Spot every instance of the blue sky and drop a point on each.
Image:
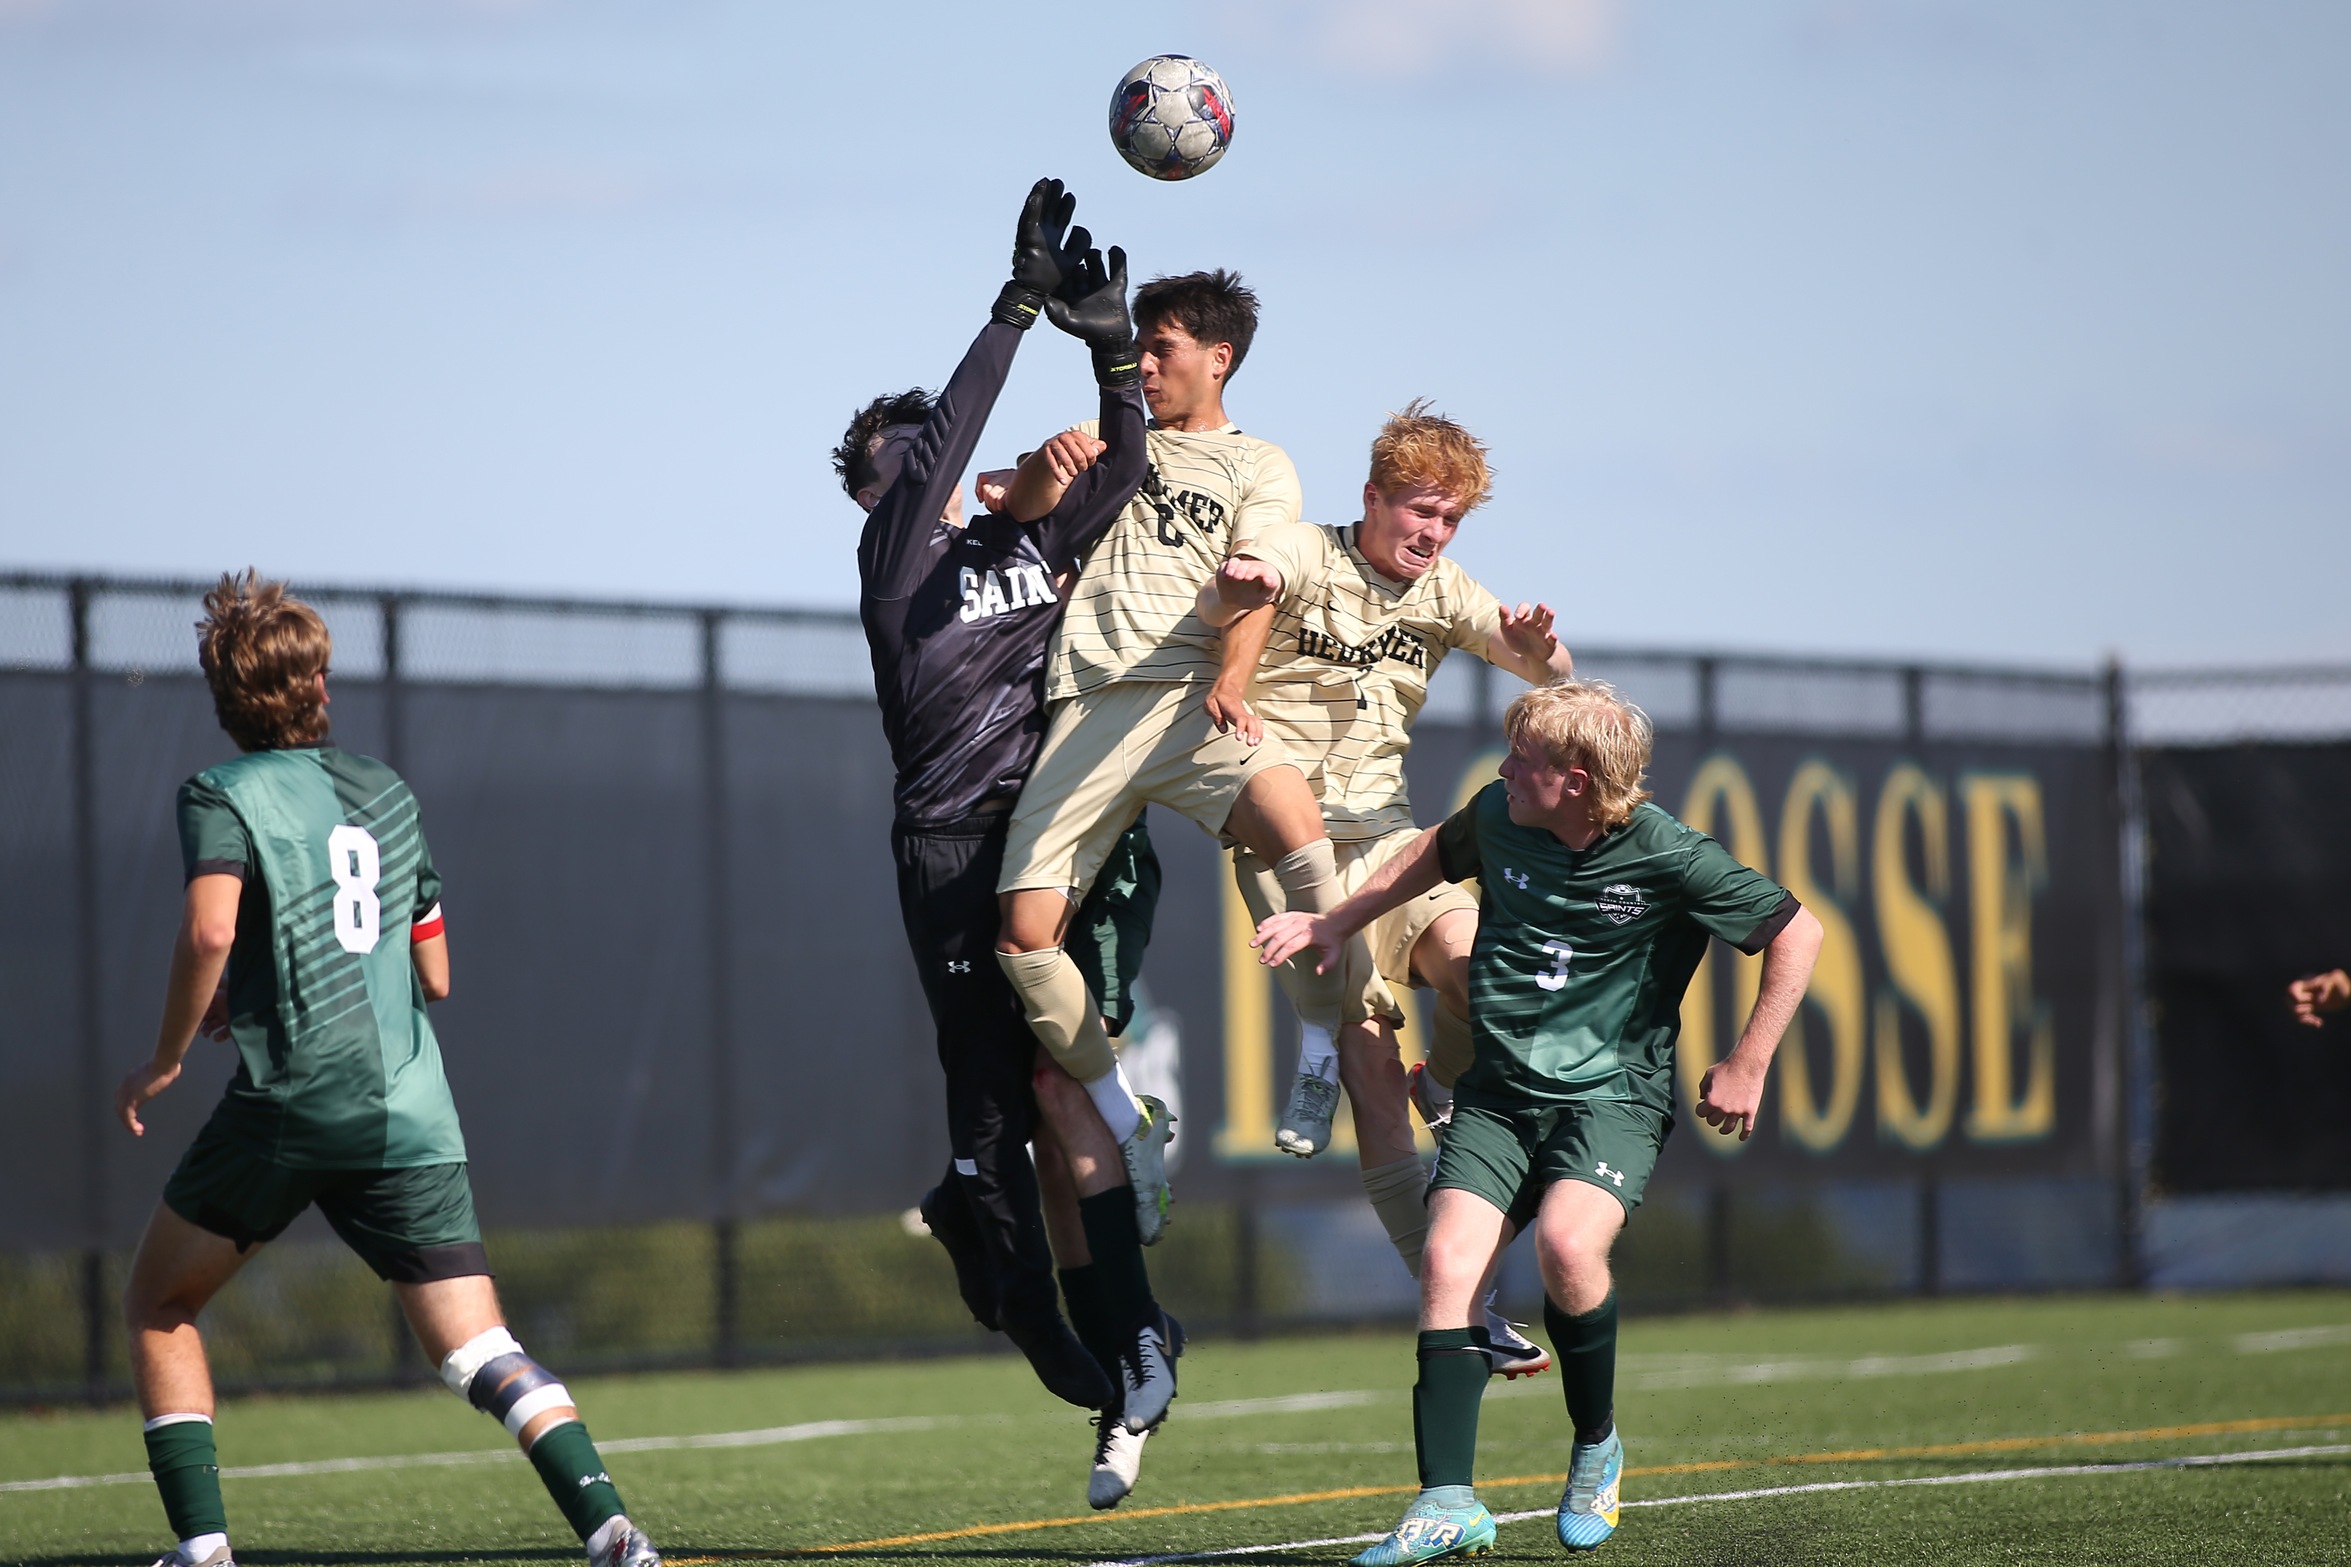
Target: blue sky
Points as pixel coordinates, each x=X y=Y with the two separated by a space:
x=1998 y=331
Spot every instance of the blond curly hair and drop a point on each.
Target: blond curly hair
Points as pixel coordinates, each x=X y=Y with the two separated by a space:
x=1586 y=724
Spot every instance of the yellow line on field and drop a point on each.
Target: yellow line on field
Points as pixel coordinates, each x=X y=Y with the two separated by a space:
x=2005 y=1444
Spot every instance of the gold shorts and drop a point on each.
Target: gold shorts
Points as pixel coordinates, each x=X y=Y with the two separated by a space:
x=1379 y=959
x=1109 y=752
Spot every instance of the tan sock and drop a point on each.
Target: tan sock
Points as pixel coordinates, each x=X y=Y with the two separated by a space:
x=1309 y=880
x=1399 y=1195
x=1061 y=1010
x=1450 y=1049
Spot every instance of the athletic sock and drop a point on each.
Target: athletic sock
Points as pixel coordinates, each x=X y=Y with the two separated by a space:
x=1399 y=1194
x=186 y=1466
x=1318 y=1052
x=1061 y=1011
x=1587 y=1365
x=573 y=1474
x=1450 y=1048
x=1091 y=1318
x=1124 y=1284
x=1115 y=1101
x=1309 y=880
x=1445 y=1399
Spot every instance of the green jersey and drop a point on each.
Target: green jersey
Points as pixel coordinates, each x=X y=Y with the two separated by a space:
x=1576 y=981
x=338 y=1068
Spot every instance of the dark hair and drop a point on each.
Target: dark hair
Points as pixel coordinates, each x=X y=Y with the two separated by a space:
x=262 y=651
x=853 y=458
x=1214 y=307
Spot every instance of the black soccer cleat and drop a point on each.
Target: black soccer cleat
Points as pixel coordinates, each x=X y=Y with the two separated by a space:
x=948 y=1217
x=1066 y=1367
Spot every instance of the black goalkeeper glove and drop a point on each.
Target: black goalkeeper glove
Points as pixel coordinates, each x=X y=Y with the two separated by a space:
x=1040 y=262
x=1092 y=306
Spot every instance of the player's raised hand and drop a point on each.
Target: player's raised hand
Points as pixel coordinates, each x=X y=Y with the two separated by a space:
x=142 y=1083
x=991 y=485
x=1092 y=306
x=1071 y=453
x=1527 y=632
x=1245 y=583
x=1729 y=1098
x=2314 y=994
x=1040 y=258
x=1287 y=934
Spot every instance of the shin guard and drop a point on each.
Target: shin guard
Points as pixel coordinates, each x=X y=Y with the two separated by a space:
x=491 y=1372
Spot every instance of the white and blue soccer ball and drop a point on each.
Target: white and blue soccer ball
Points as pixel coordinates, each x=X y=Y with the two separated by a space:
x=1171 y=117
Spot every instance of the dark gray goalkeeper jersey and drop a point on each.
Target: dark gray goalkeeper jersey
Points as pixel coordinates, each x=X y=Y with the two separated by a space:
x=338 y=1068
x=958 y=620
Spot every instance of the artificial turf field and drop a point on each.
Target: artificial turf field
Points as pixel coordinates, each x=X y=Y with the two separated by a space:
x=1283 y=1443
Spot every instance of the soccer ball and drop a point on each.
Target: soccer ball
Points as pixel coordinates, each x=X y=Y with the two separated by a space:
x=1171 y=117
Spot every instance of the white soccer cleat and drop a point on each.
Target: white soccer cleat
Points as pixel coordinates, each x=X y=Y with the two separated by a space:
x=218 y=1556
x=1144 y=1153
x=1511 y=1353
x=627 y=1547
x=1305 y=1128
x=1435 y=1104
x=1147 y=1377
x=1118 y=1459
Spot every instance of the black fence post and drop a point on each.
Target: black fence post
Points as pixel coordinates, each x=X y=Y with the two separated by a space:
x=2134 y=1040
x=1718 y=1191
x=407 y=1362
x=1930 y=1193
x=95 y=1119
x=726 y=1271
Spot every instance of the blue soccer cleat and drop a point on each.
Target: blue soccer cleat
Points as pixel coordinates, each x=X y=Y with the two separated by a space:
x=1431 y=1529
x=1587 y=1508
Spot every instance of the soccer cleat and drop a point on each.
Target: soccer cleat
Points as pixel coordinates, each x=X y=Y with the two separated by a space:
x=1430 y=1530
x=628 y=1547
x=217 y=1557
x=1587 y=1508
x=1434 y=1103
x=1145 y=1155
x=1066 y=1367
x=1118 y=1459
x=948 y=1217
x=1306 y=1125
x=1511 y=1352
x=1147 y=1374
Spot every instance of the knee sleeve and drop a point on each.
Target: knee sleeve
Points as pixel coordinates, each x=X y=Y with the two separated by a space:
x=1054 y=998
x=1309 y=879
x=1399 y=1195
x=1450 y=1050
x=491 y=1372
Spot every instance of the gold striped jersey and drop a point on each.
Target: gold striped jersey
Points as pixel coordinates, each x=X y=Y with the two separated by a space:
x=1130 y=613
x=1347 y=666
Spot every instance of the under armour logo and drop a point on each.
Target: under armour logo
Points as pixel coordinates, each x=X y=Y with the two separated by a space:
x=1517 y=879
x=959 y=965
x=1601 y=1169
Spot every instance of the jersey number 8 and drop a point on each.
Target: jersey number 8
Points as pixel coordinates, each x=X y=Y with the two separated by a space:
x=356 y=864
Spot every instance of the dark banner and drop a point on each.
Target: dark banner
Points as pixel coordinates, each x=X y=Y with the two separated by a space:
x=2249 y=886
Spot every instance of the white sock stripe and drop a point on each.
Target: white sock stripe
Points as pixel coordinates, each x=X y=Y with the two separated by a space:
x=160 y=1421
x=535 y=1403
x=457 y=1371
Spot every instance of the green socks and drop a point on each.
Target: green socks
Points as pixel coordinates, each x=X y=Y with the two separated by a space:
x=1122 y=1282
x=573 y=1474
x=186 y=1467
x=1587 y=1365
x=1453 y=1373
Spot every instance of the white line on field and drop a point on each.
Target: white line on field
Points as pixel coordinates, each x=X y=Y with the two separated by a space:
x=1974 y=1477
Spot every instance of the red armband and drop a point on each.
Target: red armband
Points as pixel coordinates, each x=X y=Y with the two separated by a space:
x=427 y=926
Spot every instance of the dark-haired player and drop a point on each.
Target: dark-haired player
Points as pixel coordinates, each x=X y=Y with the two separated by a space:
x=958 y=618
x=1594 y=909
x=1130 y=717
x=310 y=886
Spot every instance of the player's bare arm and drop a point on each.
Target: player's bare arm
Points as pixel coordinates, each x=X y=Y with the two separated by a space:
x=1045 y=475
x=1526 y=645
x=431 y=957
x=2315 y=994
x=1402 y=879
x=199 y=957
x=1243 y=650
x=1731 y=1092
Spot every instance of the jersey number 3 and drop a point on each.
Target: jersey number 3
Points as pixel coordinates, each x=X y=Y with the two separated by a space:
x=1561 y=953
x=357 y=865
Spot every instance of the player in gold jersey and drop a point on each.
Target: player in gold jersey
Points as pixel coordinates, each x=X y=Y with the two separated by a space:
x=1353 y=621
x=1129 y=720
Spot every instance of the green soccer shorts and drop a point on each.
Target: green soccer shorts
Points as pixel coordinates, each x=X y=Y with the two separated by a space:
x=412 y=1226
x=1112 y=927
x=1512 y=1157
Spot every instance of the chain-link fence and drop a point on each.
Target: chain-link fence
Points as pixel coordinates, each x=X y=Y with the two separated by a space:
x=697 y=1071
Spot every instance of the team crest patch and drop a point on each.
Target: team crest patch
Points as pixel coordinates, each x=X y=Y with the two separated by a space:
x=1621 y=903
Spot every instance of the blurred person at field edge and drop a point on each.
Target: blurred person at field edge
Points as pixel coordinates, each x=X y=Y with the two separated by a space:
x=2314 y=994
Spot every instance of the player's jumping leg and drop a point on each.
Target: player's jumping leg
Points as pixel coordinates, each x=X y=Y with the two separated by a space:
x=458 y=1323
x=178 y=1269
x=1446 y=1518
x=1278 y=820
x=1577 y=1226
x=1114 y=1306
x=1118 y=1452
